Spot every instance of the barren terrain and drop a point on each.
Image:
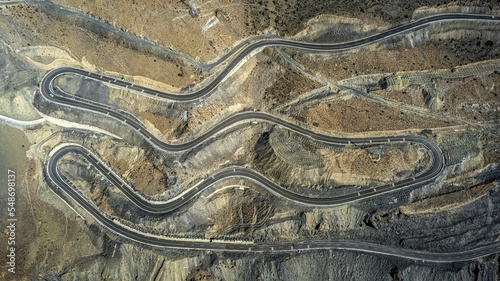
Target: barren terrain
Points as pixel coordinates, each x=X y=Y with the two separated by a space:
x=440 y=82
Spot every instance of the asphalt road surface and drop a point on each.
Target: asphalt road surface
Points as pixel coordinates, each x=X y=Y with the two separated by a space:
x=60 y=184
x=244 y=51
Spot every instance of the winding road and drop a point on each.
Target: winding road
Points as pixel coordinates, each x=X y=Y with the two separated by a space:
x=243 y=51
x=60 y=183
x=50 y=93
